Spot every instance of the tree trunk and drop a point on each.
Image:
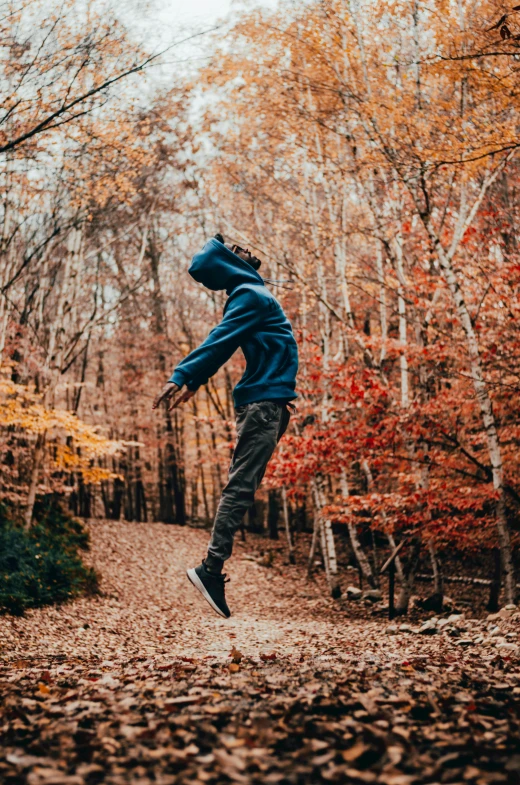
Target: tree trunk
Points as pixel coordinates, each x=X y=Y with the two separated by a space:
x=328 y=549
x=175 y=491
x=273 y=513
x=403 y=339
x=105 y=498
x=39 y=450
x=255 y=517
x=128 y=495
x=398 y=563
x=383 y=319
x=438 y=583
x=406 y=588
x=53 y=360
x=362 y=561
x=292 y=560
x=435 y=601
x=486 y=411
x=216 y=485
x=200 y=463
x=117 y=500
x=84 y=499
x=314 y=542
x=180 y=496
x=494 y=589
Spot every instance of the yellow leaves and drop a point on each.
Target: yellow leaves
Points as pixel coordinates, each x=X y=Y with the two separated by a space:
x=21 y=408
x=67 y=459
x=93 y=475
x=388 y=101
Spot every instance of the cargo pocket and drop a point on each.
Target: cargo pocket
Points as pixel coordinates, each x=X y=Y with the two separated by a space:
x=268 y=412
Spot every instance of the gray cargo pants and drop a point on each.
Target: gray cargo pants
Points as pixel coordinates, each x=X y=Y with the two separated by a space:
x=260 y=426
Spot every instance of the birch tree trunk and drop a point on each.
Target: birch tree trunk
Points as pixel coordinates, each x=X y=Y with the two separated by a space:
x=406 y=587
x=382 y=303
x=486 y=411
x=403 y=338
x=314 y=541
x=326 y=535
x=438 y=583
x=7 y=259
x=361 y=558
x=199 y=458
x=39 y=449
x=53 y=363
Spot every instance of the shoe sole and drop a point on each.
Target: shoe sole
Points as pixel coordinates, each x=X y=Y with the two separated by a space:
x=196 y=581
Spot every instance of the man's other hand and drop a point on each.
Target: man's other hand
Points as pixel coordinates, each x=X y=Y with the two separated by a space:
x=169 y=395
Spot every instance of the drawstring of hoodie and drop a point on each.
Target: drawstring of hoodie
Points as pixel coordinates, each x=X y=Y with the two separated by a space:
x=281 y=284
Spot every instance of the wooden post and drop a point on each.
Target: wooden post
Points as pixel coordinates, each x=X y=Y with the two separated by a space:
x=391 y=558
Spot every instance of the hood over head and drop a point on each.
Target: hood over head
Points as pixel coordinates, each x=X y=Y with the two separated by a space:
x=216 y=267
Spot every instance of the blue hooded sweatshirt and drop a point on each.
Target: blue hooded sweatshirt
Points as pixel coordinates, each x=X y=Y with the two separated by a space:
x=253 y=320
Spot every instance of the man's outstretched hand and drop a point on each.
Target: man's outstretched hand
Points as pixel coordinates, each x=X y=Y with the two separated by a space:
x=169 y=395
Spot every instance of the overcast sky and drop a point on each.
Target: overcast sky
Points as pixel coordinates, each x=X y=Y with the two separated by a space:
x=191 y=12
x=158 y=23
x=165 y=19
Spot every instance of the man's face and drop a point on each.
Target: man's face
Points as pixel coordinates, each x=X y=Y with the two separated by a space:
x=244 y=254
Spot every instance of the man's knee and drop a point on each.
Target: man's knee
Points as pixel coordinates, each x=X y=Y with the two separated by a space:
x=237 y=494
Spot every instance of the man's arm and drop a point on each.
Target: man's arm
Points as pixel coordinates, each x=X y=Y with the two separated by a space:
x=243 y=314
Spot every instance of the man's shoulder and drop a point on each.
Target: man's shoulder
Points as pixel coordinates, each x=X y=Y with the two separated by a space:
x=251 y=291
x=254 y=287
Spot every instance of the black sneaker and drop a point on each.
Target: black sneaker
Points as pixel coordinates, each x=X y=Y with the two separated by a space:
x=211 y=586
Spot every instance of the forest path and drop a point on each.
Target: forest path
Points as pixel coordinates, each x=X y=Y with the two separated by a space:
x=148 y=606
x=144 y=684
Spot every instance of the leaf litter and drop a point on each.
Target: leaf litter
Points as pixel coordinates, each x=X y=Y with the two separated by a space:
x=143 y=685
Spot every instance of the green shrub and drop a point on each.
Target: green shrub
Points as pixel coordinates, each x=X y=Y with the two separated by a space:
x=42 y=566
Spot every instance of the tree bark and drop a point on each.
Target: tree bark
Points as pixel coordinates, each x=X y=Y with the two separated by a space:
x=362 y=560
x=314 y=542
x=39 y=450
x=287 y=527
x=494 y=589
x=486 y=411
x=406 y=588
x=326 y=535
x=273 y=513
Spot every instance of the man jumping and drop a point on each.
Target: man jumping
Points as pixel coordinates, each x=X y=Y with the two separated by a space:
x=254 y=321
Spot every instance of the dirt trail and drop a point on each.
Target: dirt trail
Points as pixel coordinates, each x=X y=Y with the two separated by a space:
x=149 y=607
x=145 y=684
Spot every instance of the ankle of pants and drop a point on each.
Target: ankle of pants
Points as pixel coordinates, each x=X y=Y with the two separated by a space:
x=213 y=564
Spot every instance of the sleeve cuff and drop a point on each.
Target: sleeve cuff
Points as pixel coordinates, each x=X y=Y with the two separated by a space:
x=177 y=378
